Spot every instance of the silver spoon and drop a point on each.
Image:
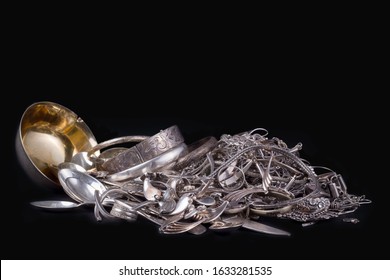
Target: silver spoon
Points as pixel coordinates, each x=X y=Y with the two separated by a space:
x=207 y=201
x=53 y=204
x=58 y=204
x=151 y=192
x=184 y=202
x=80 y=186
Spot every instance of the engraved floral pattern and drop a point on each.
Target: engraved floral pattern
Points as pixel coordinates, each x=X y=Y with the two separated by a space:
x=146 y=150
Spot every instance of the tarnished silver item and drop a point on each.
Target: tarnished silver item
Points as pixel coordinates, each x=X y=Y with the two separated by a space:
x=221 y=185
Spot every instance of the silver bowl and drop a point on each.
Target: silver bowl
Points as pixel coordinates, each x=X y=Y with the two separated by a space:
x=48 y=135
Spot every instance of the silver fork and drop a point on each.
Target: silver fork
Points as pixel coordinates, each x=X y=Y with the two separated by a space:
x=171 y=225
x=180 y=227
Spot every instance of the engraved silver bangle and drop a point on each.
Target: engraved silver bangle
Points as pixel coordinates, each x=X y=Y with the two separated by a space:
x=153 y=165
x=102 y=158
x=148 y=149
x=115 y=141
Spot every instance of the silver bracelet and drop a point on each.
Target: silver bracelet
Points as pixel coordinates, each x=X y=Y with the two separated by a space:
x=148 y=149
x=151 y=165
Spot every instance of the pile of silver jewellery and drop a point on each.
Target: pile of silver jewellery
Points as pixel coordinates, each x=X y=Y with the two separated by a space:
x=211 y=184
x=221 y=184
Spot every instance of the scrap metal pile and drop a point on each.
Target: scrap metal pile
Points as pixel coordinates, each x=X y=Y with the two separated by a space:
x=217 y=184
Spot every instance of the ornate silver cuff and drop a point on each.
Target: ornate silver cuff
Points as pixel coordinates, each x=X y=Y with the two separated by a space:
x=145 y=151
x=153 y=165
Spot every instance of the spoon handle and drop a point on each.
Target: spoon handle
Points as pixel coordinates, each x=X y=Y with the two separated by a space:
x=52 y=204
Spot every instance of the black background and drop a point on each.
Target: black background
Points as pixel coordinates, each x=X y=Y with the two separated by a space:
x=325 y=97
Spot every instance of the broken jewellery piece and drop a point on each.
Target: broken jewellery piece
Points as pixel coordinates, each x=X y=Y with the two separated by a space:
x=220 y=184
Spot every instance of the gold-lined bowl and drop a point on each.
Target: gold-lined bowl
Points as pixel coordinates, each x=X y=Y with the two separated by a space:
x=48 y=135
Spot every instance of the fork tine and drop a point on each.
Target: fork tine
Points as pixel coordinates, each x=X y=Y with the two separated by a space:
x=179 y=227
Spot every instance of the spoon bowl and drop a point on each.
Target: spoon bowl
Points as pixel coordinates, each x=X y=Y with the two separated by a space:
x=80 y=186
x=57 y=205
